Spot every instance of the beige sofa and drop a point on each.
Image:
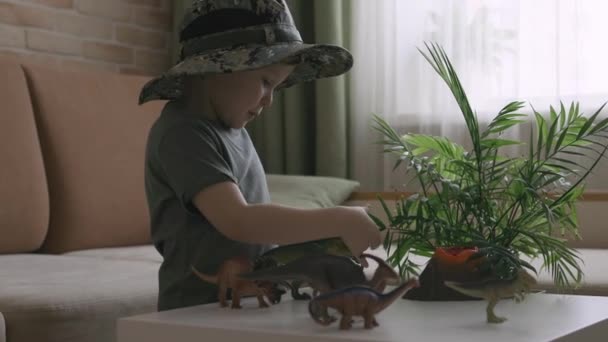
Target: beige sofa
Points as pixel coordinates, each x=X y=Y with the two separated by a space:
x=75 y=251
x=71 y=150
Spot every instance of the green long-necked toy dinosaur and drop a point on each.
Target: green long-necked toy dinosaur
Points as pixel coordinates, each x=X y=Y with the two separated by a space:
x=288 y=253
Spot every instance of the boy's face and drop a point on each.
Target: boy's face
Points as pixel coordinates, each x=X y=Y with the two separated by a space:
x=239 y=97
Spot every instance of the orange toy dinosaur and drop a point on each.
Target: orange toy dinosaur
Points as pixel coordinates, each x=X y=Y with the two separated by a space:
x=227 y=278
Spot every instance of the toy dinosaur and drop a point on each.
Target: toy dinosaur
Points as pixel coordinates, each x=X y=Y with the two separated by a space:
x=288 y=253
x=384 y=274
x=355 y=301
x=327 y=272
x=227 y=278
x=493 y=290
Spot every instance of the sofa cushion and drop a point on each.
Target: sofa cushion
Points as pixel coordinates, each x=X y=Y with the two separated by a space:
x=93 y=137
x=61 y=298
x=309 y=191
x=135 y=253
x=24 y=212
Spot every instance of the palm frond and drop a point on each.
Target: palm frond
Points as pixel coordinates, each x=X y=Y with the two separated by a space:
x=505 y=119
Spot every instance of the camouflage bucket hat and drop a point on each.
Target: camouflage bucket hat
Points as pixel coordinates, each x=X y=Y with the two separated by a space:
x=221 y=36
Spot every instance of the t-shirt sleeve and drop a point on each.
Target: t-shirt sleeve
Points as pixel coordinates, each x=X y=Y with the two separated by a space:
x=192 y=160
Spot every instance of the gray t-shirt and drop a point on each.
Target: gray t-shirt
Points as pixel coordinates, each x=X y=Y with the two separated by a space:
x=186 y=153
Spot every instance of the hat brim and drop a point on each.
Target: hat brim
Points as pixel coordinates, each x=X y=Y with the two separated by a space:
x=314 y=61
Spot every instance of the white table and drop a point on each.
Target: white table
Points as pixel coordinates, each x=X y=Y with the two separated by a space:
x=541 y=317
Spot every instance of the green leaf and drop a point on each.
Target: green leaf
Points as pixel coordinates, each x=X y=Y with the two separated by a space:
x=560 y=140
x=562 y=115
x=496 y=143
x=541 y=126
x=505 y=119
x=600 y=126
x=589 y=122
x=551 y=133
x=439 y=145
x=572 y=111
x=385 y=208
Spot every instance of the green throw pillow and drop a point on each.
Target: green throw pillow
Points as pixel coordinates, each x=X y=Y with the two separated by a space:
x=309 y=191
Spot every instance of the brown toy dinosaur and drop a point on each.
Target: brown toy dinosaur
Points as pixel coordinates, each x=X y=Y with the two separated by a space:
x=326 y=272
x=227 y=278
x=494 y=290
x=355 y=301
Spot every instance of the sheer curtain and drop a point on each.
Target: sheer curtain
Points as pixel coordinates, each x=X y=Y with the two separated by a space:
x=540 y=51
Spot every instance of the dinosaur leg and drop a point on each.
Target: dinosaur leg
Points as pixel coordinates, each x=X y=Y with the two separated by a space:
x=326 y=316
x=222 y=294
x=275 y=293
x=295 y=294
x=491 y=317
x=370 y=321
x=261 y=302
x=236 y=297
x=346 y=322
x=280 y=289
x=321 y=312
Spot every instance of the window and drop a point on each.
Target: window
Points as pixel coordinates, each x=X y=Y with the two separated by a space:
x=540 y=52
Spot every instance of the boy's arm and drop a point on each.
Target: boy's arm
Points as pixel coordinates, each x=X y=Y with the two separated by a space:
x=224 y=206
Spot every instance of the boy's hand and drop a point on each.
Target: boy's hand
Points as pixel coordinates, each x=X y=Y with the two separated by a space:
x=359 y=232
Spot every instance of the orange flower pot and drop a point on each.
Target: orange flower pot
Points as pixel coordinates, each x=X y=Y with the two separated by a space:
x=457 y=259
x=454 y=255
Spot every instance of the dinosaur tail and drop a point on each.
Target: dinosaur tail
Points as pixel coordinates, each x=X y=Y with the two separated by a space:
x=205 y=277
x=388 y=298
x=480 y=289
x=462 y=288
x=526 y=277
x=318 y=312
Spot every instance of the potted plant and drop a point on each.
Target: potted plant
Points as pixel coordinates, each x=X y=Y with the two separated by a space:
x=497 y=209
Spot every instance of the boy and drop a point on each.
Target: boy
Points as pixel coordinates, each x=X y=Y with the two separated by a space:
x=205 y=185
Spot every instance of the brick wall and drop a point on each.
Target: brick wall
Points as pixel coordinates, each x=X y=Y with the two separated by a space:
x=128 y=36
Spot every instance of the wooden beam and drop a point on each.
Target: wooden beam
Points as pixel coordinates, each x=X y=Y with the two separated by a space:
x=588 y=196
